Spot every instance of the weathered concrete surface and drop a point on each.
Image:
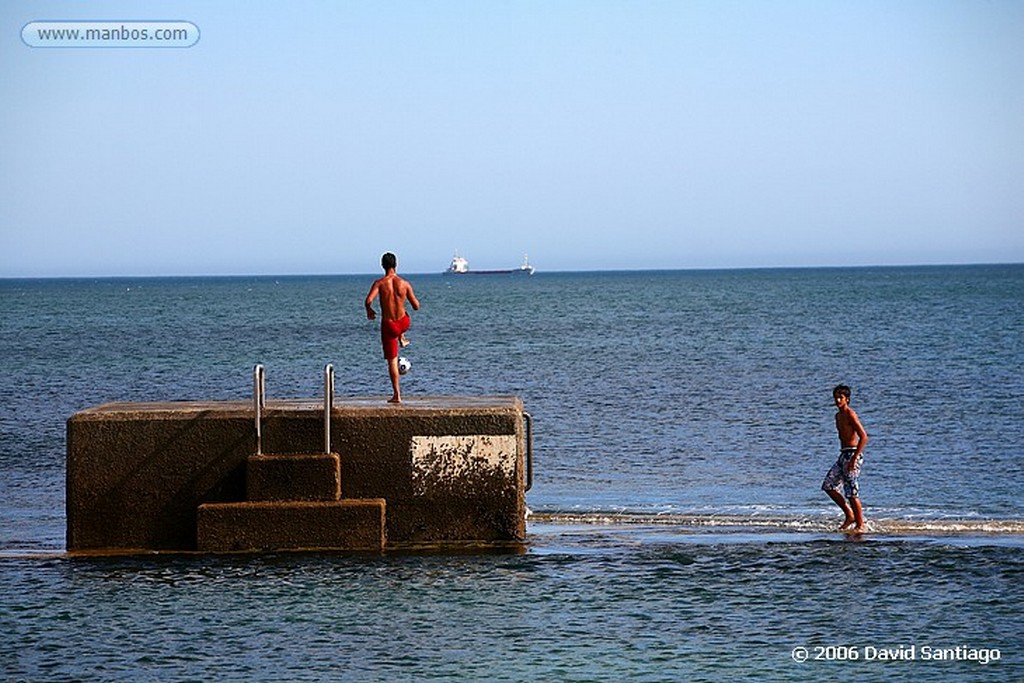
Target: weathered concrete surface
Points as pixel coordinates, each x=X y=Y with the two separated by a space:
x=451 y=469
x=305 y=525
x=293 y=476
x=136 y=473
x=428 y=500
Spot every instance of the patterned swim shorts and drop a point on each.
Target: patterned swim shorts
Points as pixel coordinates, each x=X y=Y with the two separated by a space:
x=838 y=476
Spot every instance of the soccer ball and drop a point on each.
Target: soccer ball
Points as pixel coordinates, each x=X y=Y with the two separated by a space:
x=404 y=365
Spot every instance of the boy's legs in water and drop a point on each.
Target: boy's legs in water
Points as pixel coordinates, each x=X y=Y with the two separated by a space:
x=844 y=506
x=858 y=514
x=853 y=513
x=844 y=475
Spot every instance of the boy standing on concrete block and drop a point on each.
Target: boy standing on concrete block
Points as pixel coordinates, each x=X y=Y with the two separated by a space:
x=393 y=292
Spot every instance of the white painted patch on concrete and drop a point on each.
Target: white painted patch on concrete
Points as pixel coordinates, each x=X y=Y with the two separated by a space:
x=445 y=463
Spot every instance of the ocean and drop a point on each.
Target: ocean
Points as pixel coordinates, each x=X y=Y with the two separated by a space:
x=683 y=422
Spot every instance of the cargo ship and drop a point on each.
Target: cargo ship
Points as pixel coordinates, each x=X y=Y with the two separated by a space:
x=460 y=266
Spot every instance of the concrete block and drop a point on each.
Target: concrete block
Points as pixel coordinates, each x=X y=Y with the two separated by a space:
x=137 y=472
x=315 y=476
x=267 y=526
x=452 y=469
x=453 y=472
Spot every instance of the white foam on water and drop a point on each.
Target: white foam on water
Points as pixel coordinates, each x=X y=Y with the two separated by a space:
x=775 y=521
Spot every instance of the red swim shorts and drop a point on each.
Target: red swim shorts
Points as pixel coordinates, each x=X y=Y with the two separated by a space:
x=390 y=331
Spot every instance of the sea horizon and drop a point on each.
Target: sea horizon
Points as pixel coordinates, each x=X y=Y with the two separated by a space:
x=560 y=271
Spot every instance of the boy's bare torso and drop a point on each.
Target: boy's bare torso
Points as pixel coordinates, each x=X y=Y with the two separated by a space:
x=393 y=292
x=851 y=432
x=847 y=427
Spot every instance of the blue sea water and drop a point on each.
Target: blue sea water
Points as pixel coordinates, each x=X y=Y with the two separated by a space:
x=683 y=422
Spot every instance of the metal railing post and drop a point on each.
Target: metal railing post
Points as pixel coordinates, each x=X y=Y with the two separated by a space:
x=528 y=420
x=259 y=401
x=328 y=404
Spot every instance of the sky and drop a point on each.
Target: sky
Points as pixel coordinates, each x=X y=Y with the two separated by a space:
x=310 y=137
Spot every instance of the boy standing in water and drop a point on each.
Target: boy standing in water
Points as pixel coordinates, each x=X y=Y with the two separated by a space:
x=846 y=472
x=393 y=292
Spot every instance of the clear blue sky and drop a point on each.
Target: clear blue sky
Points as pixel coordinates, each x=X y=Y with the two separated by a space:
x=309 y=137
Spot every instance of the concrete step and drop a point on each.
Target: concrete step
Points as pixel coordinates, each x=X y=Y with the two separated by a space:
x=298 y=476
x=352 y=524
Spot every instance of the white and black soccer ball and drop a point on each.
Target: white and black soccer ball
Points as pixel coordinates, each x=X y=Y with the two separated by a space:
x=404 y=365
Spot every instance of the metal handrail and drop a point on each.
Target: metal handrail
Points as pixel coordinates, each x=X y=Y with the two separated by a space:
x=259 y=400
x=528 y=420
x=328 y=404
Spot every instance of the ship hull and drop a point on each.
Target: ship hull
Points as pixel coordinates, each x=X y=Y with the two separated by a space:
x=513 y=271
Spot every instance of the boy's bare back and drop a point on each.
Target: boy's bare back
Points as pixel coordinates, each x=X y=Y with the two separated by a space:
x=393 y=292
